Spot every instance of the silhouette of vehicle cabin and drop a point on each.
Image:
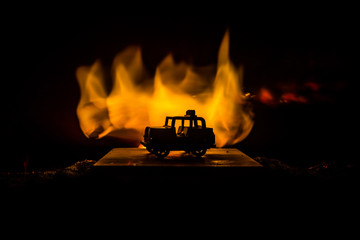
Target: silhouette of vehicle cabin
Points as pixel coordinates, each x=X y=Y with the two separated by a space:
x=192 y=136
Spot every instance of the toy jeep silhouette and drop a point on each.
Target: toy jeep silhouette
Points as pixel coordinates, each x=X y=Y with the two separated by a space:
x=192 y=136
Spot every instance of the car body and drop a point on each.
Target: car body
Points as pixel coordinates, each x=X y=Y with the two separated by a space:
x=192 y=135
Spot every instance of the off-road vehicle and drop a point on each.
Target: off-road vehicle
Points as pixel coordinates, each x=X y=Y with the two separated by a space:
x=192 y=135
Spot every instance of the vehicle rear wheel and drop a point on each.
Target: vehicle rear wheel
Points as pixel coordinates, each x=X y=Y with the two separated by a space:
x=199 y=152
x=161 y=152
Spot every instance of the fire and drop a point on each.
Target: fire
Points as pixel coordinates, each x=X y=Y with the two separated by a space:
x=133 y=103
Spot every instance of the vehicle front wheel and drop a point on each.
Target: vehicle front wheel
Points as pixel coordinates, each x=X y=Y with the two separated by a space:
x=150 y=149
x=199 y=152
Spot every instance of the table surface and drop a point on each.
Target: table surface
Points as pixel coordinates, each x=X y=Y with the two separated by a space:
x=139 y=157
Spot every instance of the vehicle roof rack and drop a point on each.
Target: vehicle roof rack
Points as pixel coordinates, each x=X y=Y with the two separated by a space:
x=190 y=113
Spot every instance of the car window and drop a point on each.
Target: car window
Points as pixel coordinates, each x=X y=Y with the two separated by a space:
x=168 y=121
x=177 y=123
x=187 y=123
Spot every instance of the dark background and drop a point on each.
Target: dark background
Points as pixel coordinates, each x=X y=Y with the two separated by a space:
x=42 y=50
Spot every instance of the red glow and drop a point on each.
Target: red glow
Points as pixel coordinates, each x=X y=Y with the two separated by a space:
x=266 y=97
x=313 y=86
x=292 y=97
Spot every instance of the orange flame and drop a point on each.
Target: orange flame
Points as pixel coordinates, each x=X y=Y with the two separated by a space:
x=132 y=104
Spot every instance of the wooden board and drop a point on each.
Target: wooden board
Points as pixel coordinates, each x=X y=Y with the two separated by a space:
x=214 y=158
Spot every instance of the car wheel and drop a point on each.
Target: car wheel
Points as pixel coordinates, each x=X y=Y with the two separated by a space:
x=161 y=153
x=150 y=149
x=199 y=152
